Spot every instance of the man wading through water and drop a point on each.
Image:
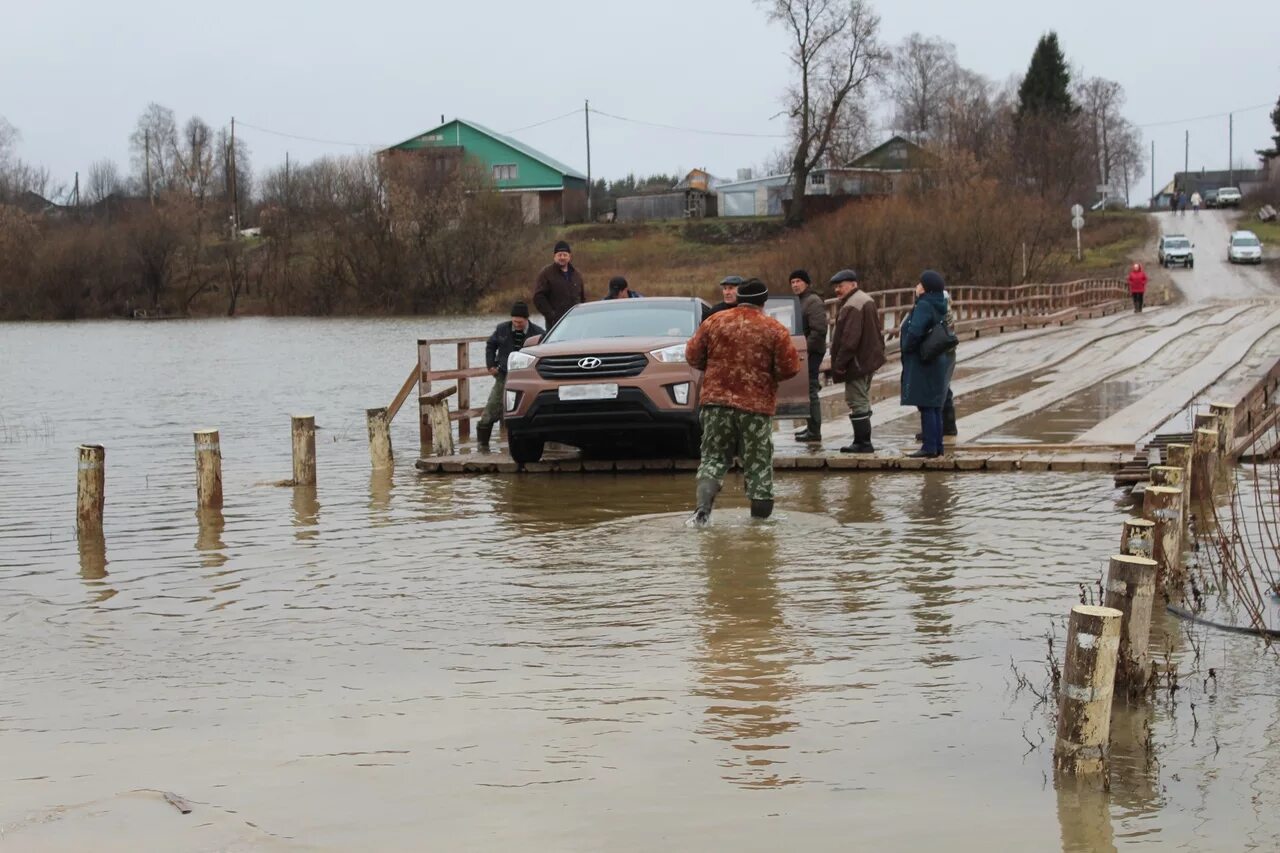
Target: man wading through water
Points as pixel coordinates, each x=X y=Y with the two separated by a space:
x=558 y=287
x=857 y=352
x=507 y=338
x=743 y=354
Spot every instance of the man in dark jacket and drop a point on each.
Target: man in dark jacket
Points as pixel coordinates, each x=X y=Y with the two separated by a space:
x=559 y=286
x=813 y=311
x=507 y=338
x=857 y=352
x=728 y=295
x=618 y=289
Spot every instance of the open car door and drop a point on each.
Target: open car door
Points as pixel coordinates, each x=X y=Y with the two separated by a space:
x=793 y=393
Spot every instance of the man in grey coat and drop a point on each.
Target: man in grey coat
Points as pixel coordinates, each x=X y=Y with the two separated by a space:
x=813 y=312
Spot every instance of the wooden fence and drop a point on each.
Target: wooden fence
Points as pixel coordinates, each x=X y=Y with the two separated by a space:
x=977 y=309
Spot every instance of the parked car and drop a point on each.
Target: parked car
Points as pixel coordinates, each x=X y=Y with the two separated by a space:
x=1244 y=248
x=1229 y=197
x=612 y=376
x=1176 y=249
x=1210 y=198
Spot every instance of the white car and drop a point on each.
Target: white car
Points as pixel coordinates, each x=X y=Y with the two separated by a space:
x=1244 y=248
x=1229 y=197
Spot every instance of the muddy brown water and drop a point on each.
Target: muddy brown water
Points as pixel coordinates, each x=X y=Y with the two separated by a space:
x=391 y=662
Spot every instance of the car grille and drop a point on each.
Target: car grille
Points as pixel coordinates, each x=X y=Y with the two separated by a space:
x=572 y=366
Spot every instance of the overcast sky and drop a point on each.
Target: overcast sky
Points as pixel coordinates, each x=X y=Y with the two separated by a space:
x=75 y=75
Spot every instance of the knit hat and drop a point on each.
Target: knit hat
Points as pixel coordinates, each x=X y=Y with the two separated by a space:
x=932 y=281
x=753 y=292
x=617 y=284
x=800 y=274
x=519 y=309
x=844 y=275
x=735 y=280
x=561 y=246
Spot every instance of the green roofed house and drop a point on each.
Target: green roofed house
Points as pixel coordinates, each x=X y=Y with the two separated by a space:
x=549 y=192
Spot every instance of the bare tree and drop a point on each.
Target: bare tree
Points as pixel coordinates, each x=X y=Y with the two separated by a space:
x=1115 y=142
x=102 y=181
x=153 y=144
x=194 y=158
x=851 y=135
x=836 y=52
x=923 y=74
x=971 y=115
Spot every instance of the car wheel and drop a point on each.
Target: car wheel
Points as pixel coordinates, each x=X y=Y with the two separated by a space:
x=1191 y=265
x=524 y=449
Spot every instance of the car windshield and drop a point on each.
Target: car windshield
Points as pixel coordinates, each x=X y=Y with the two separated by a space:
x=1176 y=243
x=632 y=318
x=1246 y=242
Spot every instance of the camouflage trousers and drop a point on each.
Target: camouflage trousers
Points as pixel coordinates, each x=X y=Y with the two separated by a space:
x=727 y=431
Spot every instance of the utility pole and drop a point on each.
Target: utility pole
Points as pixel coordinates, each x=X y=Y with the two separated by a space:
x=146 y=136
x=75 y=194
x=1153 y=174
x=586 y=117
x=235 y=197
x=1231 y=142
x=1186 y=153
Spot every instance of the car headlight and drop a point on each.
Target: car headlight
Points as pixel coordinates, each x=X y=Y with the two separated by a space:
x=673 y=354
x=519 y=361
x=509 y=399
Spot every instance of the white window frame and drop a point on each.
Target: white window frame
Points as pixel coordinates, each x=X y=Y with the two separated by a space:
x=506 y=171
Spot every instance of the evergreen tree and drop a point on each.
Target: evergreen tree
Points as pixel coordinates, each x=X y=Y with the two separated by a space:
x=1044 y=91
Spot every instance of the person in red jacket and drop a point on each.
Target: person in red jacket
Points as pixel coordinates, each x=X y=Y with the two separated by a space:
x=1137 y=286
x=744 y=354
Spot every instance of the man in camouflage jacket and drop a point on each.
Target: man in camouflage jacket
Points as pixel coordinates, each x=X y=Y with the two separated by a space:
x=743 y=354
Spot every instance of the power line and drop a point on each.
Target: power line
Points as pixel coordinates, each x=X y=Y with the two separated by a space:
x=544 y=121
x=1205 y=118
x=244 y=123
x=691 y=129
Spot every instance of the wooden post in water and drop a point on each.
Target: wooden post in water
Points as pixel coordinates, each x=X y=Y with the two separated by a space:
x=91 y=487
x=1204 y=467
x=1088 y=676
x=1179 y=456
x=1137 y=539
x=436 y=412
x=1170 y=475
x=1161 y=505
x=379 y=438
x=208 y=469
x=1226 y=415
x=424 y=388
x=1131 y=587
x=304 y=450
x=464 y=391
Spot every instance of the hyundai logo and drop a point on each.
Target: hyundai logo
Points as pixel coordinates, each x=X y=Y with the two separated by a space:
x=589 y=363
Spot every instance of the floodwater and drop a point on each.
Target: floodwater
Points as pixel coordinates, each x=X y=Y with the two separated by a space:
x=395 y=662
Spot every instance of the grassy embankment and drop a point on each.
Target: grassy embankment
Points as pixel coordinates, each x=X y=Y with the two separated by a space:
x=684 y=258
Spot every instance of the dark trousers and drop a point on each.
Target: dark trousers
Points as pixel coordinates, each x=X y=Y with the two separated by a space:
x=1137 y=302
x=815 y=385
x=931 y=427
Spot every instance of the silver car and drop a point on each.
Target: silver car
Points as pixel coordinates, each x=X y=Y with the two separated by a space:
x=1244 y=248
x=1176 y=249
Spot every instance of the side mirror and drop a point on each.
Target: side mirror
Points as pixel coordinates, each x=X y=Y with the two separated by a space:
x=533 y=341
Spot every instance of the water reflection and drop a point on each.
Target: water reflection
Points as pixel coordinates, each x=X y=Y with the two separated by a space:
x=209 y=538
x=93 y=565
x=1084 y=816
x=746 y=656
x=306 y=513
x=381 y=481
x=930 y=574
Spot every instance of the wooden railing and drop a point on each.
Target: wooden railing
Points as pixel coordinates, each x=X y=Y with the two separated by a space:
x=976 y=309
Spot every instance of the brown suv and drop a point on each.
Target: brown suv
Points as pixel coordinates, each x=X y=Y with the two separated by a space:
x=612 y=376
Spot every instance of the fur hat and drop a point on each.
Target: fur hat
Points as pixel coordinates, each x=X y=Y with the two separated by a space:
x=753 y=292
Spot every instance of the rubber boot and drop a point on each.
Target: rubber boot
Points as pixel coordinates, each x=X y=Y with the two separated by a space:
x=813 y=429
x=861 y=435
x=706 y=497
x=483 y=434
x=761 y=509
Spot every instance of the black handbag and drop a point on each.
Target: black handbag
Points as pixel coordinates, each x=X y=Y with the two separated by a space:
x=939 y=340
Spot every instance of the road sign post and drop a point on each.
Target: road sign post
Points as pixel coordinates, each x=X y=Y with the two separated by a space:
x=1077 y=222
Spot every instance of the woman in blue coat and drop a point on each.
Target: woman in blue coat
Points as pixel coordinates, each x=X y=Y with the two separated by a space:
x=925 y=385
